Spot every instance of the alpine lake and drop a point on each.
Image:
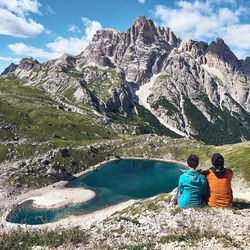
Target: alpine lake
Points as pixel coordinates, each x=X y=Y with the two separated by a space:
x=114 y=182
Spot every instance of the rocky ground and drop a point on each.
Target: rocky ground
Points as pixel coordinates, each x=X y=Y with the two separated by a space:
x=157 y=224
x=153 y=223
x=148 y=224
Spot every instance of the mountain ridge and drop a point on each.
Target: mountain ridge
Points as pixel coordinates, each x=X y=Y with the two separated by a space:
x=200 y=90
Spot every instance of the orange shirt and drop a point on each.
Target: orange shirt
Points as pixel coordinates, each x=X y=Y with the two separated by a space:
x=220 y=189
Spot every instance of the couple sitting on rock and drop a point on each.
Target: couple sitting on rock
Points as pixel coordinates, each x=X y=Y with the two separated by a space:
x=213 y=187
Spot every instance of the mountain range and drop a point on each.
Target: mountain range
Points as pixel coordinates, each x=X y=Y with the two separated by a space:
x=148 y=80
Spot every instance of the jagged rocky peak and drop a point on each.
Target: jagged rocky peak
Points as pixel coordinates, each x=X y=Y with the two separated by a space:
x=141 y=51
x=65 y=62
x=142 y=20
x=28 y=64
x=196 y=49
x=145 y=30
x=67 y=57
x=170 y=36
x=11 y=68
x=109 y=34
x=219 y=54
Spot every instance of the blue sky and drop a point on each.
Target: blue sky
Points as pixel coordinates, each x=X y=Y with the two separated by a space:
x=46 y=29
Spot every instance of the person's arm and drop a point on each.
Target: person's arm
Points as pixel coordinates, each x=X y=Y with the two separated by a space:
x=180 y=185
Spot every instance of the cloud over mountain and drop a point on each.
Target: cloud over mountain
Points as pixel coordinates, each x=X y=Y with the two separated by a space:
x=14 y=20
x=71 y=45
x=205 y=20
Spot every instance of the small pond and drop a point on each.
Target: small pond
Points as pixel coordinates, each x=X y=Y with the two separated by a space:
x=114 y=182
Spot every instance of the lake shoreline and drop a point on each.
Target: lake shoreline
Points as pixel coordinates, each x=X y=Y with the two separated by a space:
x=60 y=188
x=85 y=220
x=98 y=165
x=58 y=198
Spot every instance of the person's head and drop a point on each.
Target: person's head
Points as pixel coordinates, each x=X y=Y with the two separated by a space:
x=193 y=161
x=217 y=160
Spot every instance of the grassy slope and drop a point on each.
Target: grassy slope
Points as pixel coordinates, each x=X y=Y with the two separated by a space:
x=52 y=239
x=30 y=114
x=144 y=121
x=237 y=156
x=226 y=128
x=105 y=82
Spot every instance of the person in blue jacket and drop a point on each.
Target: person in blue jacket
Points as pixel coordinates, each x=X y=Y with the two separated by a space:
x=192 y=186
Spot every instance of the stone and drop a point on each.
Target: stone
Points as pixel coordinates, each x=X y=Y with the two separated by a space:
x=18 y=185
x=45 y=162
x=65 y=152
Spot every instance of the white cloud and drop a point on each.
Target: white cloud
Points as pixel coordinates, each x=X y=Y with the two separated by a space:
x=73 y=28
x=71 y=45
x=9 y=59
x=20 y=7
x=141 y=1
x=241 y=53
x=90 y=28
x=238 y=35
x=61 y=45
x=14 y=21
x=74 y=45
x=23 y=49
x=49 y=10
x=206 y=20
x=16 y=26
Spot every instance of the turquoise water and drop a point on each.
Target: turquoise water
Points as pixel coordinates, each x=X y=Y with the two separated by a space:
x=114 y=182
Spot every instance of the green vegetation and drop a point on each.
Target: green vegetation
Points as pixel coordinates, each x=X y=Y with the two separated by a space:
x=134 y=221
x=176 y=210
x=225 y=129
x=145 y=205
x=106 y=80
x=163 y=102
x=25 y=240
x=69 y=93
x=237 y=157
x=143 y=121
x=31 y=114
x=194 y=237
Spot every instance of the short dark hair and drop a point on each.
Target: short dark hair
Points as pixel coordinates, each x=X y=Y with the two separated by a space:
x=218 y=160
x=193 y=161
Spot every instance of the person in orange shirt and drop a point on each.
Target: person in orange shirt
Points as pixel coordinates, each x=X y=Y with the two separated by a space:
x=219 y=183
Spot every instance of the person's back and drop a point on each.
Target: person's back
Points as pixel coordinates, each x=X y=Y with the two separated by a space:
x=192 y=186
x=219 y=183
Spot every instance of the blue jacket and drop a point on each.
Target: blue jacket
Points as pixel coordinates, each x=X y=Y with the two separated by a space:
x=192 y=189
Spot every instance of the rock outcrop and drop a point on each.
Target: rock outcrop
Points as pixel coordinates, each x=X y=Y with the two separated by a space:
x=11 y=68
x=141 y=51
x=195 y=89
